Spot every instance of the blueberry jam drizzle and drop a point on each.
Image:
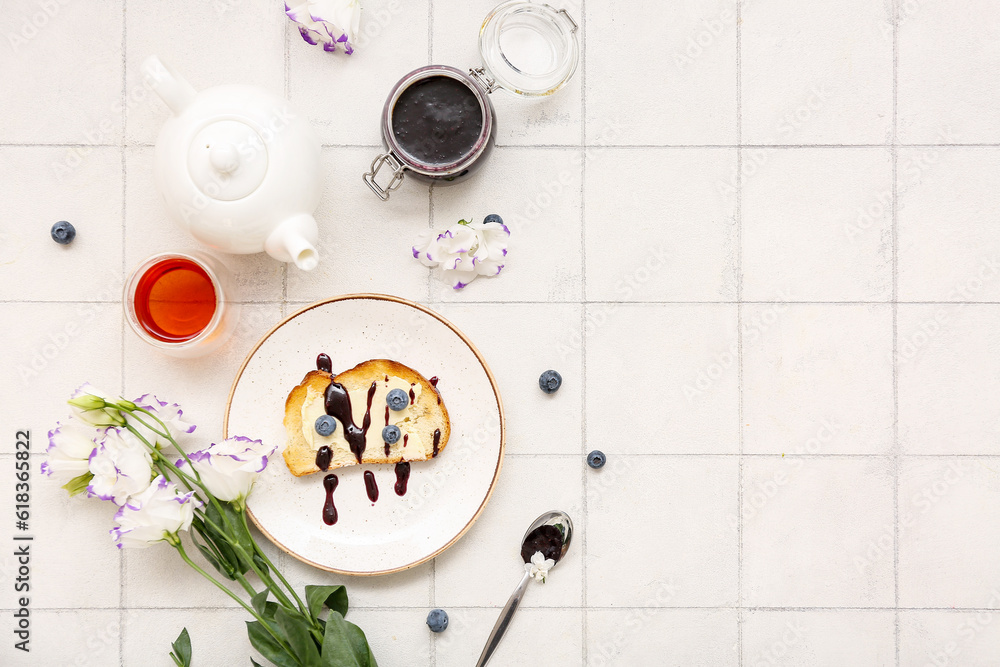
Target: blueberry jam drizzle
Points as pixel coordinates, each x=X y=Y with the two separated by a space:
x=337 y=403
x=370 y=486
x=402 y=477
x=329 y=509
x=323 y=457
x=323 y=363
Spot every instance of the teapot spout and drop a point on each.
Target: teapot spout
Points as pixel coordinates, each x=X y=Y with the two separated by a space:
x=292 y=241
x=170 y=86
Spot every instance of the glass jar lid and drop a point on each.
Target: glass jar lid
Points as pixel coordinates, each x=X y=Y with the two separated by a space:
x=529 y=48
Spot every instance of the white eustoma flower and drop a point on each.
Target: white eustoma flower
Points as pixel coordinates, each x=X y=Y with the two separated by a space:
x=89 y=405
x=171 y=415
x=327 y=22
x=122 y=467
x=229 y=469
x=69 y=450
x=539 y=566
x=464 y=251
x=156 y=514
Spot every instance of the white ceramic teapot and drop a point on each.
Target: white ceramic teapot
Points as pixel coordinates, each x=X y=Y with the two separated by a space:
x=238 y=168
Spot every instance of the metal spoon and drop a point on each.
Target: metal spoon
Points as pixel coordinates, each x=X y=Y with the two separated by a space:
x=562 y=522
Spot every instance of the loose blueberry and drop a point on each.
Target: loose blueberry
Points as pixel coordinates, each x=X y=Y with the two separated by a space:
x=397 y=400
x=493 y=217
x=63 y=232
x=437 y=620
x=326 y=425
x=391 y=434
x=550 y=381
x=596 y=459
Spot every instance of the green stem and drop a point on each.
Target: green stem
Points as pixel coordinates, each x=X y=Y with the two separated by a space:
x=210 y=545
x=176 y=543
x=264 y=576
x=302 y=607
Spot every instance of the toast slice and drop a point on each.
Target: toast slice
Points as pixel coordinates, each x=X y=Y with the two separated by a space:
x=424 y=422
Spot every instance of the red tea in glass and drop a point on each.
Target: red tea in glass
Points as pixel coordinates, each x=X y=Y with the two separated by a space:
x=174 y=300
x=182 y=303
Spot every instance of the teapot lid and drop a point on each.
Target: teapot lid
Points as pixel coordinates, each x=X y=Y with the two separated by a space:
x=227 y=160
x=529 y=48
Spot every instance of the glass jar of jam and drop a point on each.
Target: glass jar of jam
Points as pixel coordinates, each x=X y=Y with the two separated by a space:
x=438 y=124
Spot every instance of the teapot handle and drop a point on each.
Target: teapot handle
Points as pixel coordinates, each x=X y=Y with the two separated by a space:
x=170 y=86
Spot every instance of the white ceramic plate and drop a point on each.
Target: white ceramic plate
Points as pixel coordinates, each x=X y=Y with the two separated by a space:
x=445 y=495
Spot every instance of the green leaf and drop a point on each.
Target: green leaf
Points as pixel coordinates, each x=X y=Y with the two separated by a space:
x=295 y=628
x=258 y=601
x=78 y=485
x=217 y=531
x=266 y=645
x=182 y=649
x=223 y=568
x=254 y=663
x=345 y=644
x=269 y=609
x=332 y=597
x=261 y=563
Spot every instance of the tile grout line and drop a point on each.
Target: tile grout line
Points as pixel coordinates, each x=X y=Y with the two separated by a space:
x=432 y=648
x=894 y=150
x=430 y=225
x=237 y=608
x=122 y=564
x=473 y=302
x=885 y=458
x=287 y=90
x=141 y=144
x=739 y=332
x=282 y=557
x=584 y=617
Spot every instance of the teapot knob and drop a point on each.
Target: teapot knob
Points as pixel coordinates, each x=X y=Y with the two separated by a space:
x=224 y=157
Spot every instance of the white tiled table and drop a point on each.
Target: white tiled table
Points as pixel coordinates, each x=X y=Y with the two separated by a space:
x=760 y=241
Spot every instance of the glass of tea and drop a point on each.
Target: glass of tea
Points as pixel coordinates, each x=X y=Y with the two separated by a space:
x=181 y=303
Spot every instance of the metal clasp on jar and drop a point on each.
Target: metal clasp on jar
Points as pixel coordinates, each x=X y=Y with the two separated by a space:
x=397 y=175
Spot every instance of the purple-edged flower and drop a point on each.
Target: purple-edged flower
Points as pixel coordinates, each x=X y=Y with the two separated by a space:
x=464 y=251
x=327 y=22
x=69 y=450
x=169 y=413
x=229 y=469
x=156 y=514
x=122 y=467
x=90 y=405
